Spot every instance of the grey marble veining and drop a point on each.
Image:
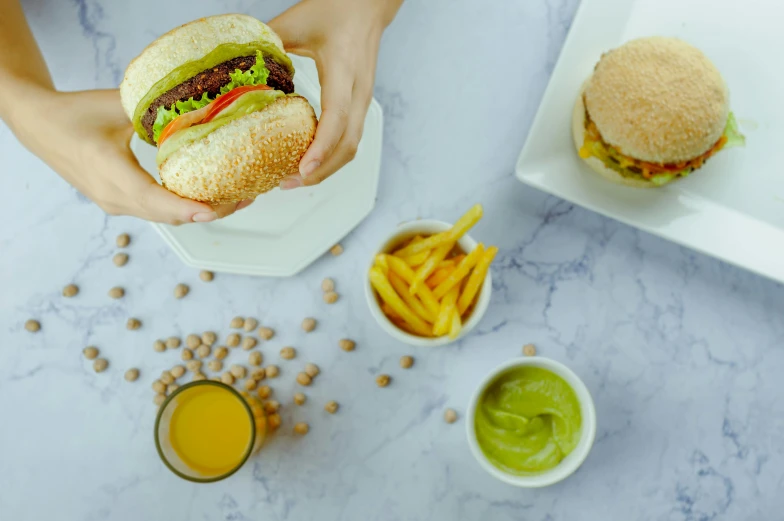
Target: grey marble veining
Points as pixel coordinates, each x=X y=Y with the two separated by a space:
x=683 y=354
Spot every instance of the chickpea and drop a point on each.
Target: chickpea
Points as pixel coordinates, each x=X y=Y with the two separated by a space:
x=71 y=290
x=450 y=416
x=327 y=285
x=171 y=388
x=271 y=406
x=382 y=380
x=406 y=362
x=308 y=324
x=186 y=355
x=238 y=371
x=32 y=326
x=258 y=374
x=237 y=323
x=192 y=341
x=100 y=365
x=266 y=333
x=346 y=344
x=233 y=340
x=216 y=378
x=203 y=351
x=288 y=353
x=208 y=338
x=180 y=290
x=131 y=375
x=301 y=428
x=167 y=377
x=159 y=346
x=158 y=399
x=330 y=297
x=120 y=259
x=179 y=370
x=249 y=343
x=312 y=370
x=133 y=324
x=250 y=384
x=227 y=378
x=116 y=292
x=336 y=250
x=198 y=376
x=299 y=398
x=90 y=352
x=173 y=342
x=193 y=366
x=264 y=392
x=529 y=350
x=123 y=240
x=273 y=420
x=272 y=371
x=304 y=379
x=255 y=358
x=206 y=276
x=215 y=366
x=221 y=353
x=331 y=407
x=159 y=387
x=250 y=324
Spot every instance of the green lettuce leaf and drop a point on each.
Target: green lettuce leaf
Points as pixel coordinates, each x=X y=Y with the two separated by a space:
x=256 y=75
x=732 y=132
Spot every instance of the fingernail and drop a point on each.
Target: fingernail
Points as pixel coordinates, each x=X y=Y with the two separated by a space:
x=290 y=182
x=204 y=217
x=308 y=169
x=244 y=204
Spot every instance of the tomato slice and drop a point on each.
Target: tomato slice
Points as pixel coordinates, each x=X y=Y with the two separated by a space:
x=182 y=122
x=227 y=99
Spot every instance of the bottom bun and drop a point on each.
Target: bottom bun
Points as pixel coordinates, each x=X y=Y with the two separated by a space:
x=244 y=158
x=596 y=164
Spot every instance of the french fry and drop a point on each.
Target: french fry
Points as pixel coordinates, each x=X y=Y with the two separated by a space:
x=391 y=313
x=381 y=262
x=455 y=325
x=475 y=281
x=429 y=266
x=417 y=259
x=387 y=293
x=448 y=308
x=413 y=302
x=399 y=267
x=451 y=263
x=468 y=220
x=453 y=281
x=439 y=276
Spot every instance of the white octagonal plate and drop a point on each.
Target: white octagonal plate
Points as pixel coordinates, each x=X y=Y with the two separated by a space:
x=283 y=231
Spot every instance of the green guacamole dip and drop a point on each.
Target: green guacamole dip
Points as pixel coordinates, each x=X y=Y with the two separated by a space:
x=527 y=421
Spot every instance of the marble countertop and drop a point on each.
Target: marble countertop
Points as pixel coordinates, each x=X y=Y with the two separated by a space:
x=683 y=354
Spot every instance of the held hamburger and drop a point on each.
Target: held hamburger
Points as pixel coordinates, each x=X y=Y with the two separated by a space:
x=654 y=110
x=217 y=98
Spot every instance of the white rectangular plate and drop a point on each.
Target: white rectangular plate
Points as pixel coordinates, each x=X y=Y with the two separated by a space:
x=732 y=208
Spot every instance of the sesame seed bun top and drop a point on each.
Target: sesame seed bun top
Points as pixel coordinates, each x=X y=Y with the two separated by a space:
x=658 y=99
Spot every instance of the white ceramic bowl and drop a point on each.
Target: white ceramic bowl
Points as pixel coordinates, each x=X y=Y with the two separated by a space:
x=571 y=462
x=424 y=227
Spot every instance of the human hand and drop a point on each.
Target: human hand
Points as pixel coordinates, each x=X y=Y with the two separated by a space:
x=343 y=37
x=84 y=137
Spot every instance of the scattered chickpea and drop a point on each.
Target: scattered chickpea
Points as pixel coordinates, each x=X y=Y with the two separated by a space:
x=233 y=340
x=179 y=370
x=133 y=324
x=100 y=365
x=158 y=399
x=272 y=406
x=255 y=358
x=308 y=324
x=529 y=350
x=301 y=428
x=159 y=387
x=32 y=326
x=250 y=324
x=237 y=323
x=331 y=407
x=221 y=353
x=264 y=392
x=406 y=362
x=304 y=379
x=186 y=355
x=131 y=375
x=346 y=344
x=208 y=338
x=249 y=343
x=159 y=346
x=71 y=290
x=227 y=378
x=116 y=292
x=312 y=370
x=180 y=290
x=123 y=240
x=327 y=285
x=194 y=366
x=215 y=365
x=450 y=416
x=238 y=371
x=250 y=384
x=273 y=420
x=382 y=380
x=258 y=374
x=272 y=371
x=288 y=353
x=266 y=333
x=206 y=276
x=192 y=341
x=203 y=351
x=120 y=259
x=299 y=398
x=198 y=376
x=90 y=352
x=173 y=342
x=330 y=297
x=336 y=250
x=167 y=377
x=171 y=388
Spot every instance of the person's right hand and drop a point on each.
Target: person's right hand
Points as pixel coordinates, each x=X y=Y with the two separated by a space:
x=84 y=137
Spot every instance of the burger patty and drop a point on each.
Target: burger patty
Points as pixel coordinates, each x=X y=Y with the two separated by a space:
x=211 y=81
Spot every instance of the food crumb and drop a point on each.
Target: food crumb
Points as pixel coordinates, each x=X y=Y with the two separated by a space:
x=346 y=344
x=173 y=342
x=100 y=365
x=193 y=366
x=179 y=370
x=71 y=290
x=221 y=353
x=264 y=392
x=273 y=420
x=206 y=276
x=301 y=428
x=529 y=350
x=133 y=324
x=272 y=406
x=208 y=338
x=330 y=297
x=123 y=240
x=312 y=370
x=331 y=407
x=158 y=387
x=116 y=292
x=336 y=250
x=249 y=343
x=131 y=375
x=272 y=371
x=90 y=352
x=237 y=323
x=308 y=324
x=288 y=353
x=180 y=290
x=450 y=416
x=382 y=380
x=250 y=324
x=266 y=333
x=159 y=346
x=299 y=398
x=238 y=371
x=203 y=351
x=215 y=366
x=186 y=354
x=233 y=340
x=192 y=341
x=406 y=362
x=255 y=358
x=120 y=259
x=250 y=384
x=32 y=326
x=327 y=285
x=304 y=379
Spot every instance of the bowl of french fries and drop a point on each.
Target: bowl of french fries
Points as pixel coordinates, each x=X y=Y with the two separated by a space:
x=429 y=283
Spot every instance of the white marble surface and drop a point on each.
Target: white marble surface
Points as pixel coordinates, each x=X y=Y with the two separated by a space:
x=682 y=353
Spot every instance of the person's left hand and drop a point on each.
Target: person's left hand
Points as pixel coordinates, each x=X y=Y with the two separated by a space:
x=343 y=37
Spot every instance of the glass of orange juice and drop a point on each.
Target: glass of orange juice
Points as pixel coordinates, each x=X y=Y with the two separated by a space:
x=206 y=430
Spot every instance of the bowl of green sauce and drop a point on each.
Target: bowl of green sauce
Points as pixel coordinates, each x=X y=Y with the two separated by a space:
x=531 y=422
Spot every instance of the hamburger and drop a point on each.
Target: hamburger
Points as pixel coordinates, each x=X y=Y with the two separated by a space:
x=653 y=111
x=216 y=96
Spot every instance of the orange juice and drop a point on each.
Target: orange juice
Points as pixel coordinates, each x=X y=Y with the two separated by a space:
x=211 y=429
